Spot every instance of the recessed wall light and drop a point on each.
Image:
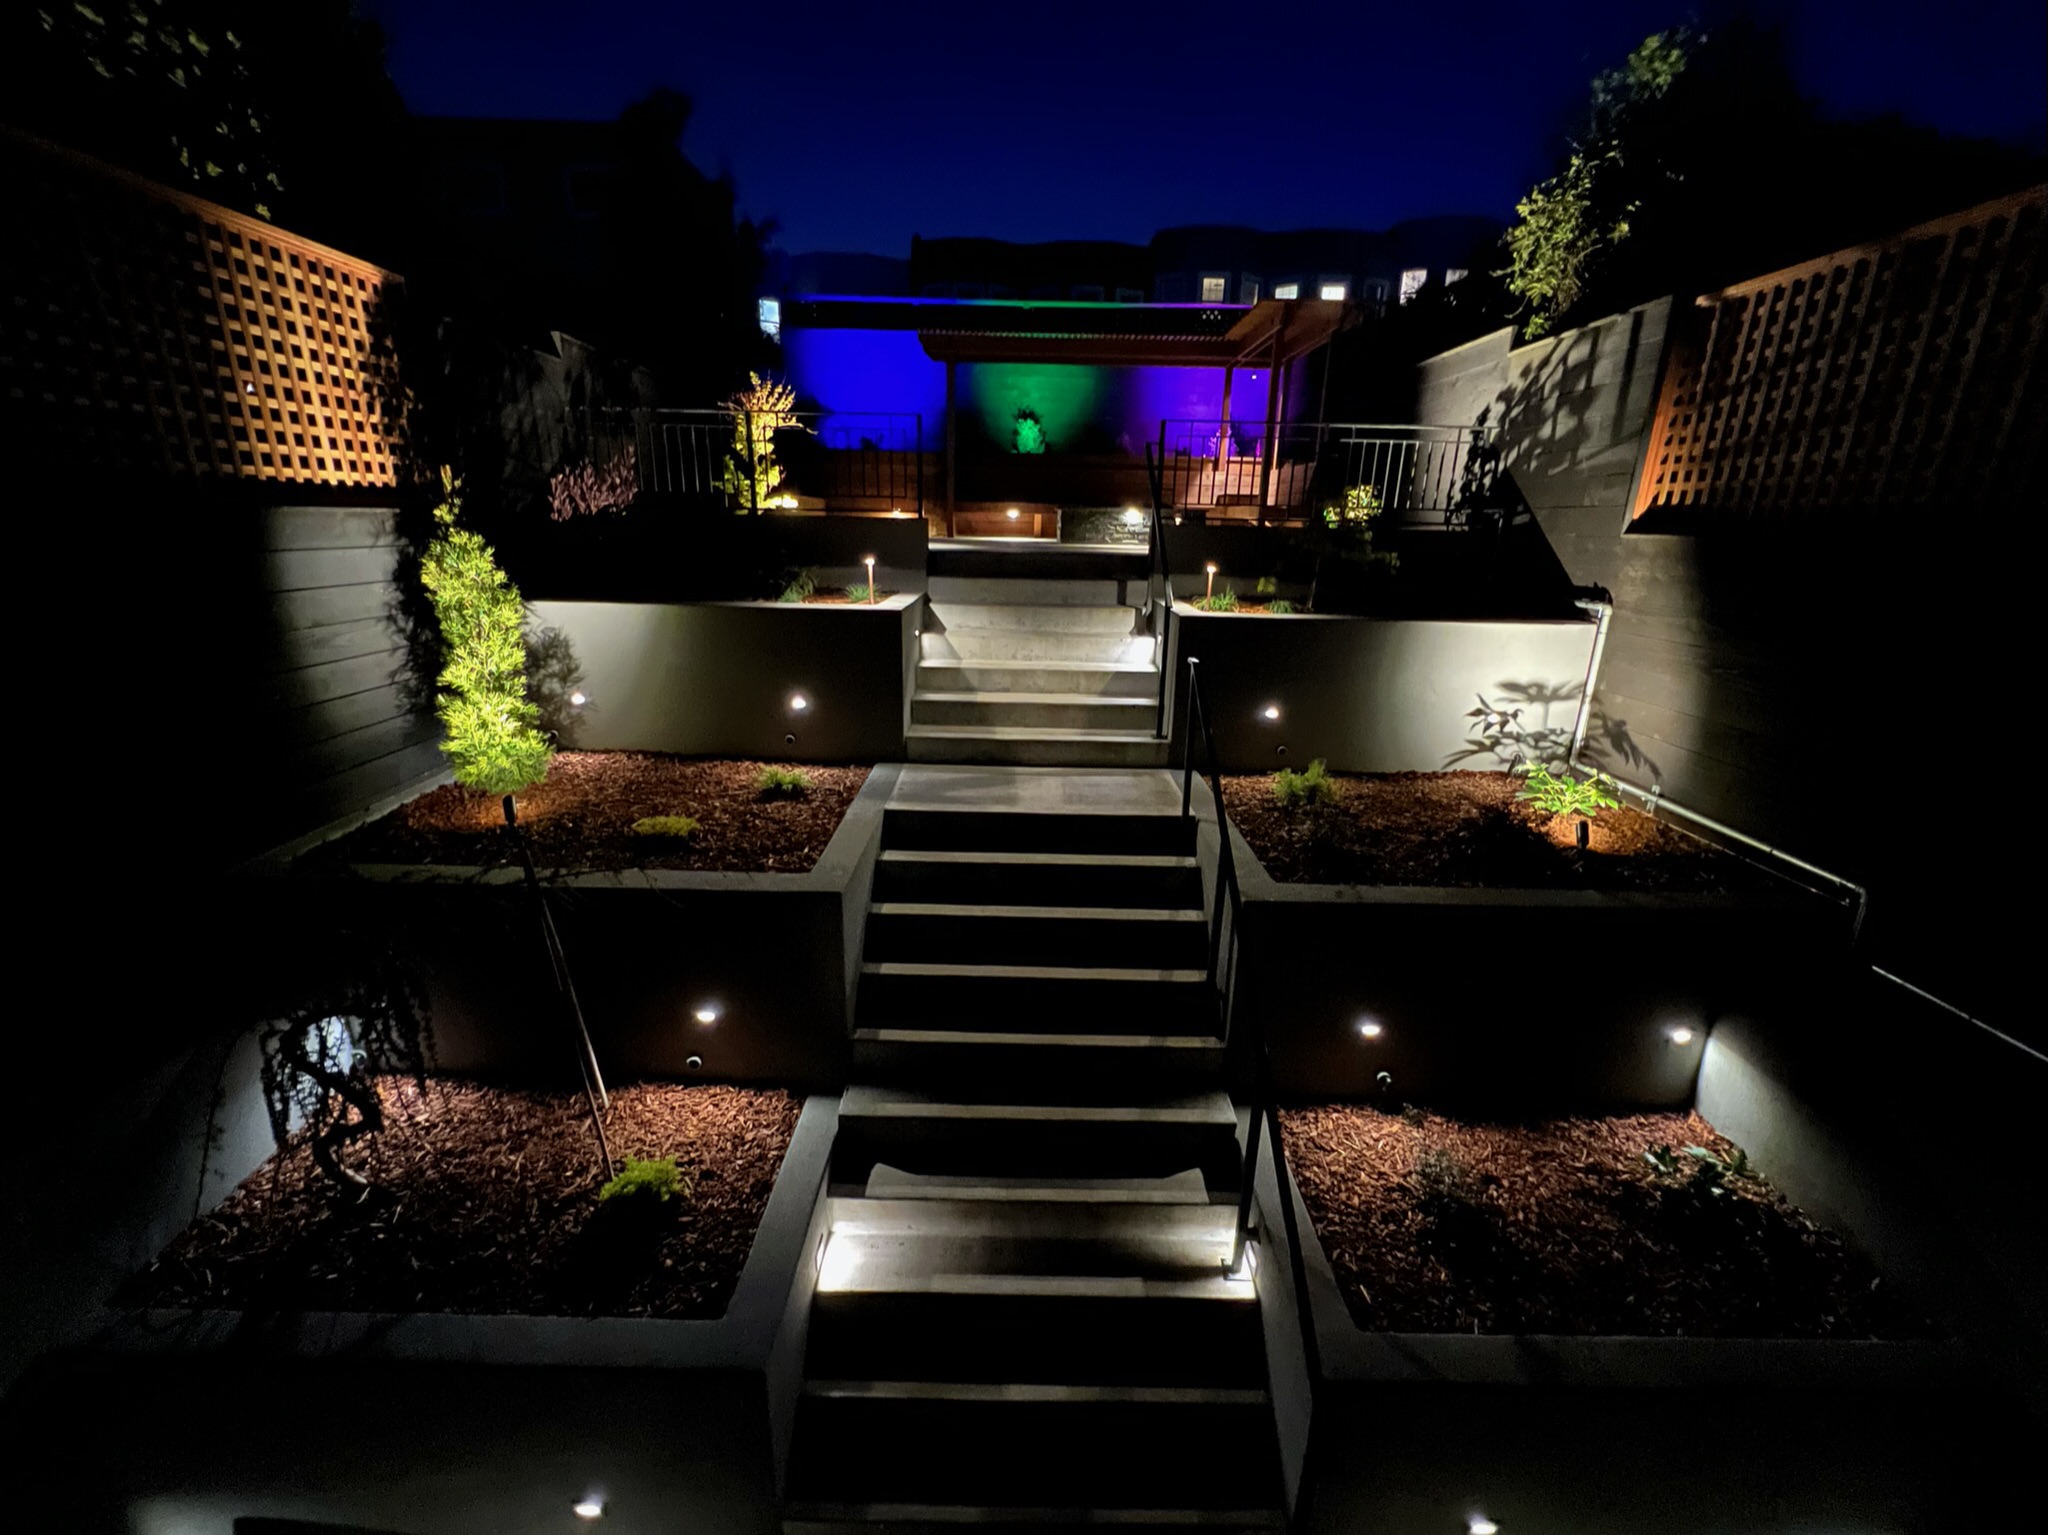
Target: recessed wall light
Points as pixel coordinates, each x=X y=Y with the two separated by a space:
x=1479 y=1524
x=1679 y=1035
x=1012 y=513
x=1133 y=516
x=1370 y=1030
x=798 y=703
x=578 y=699
x=1271 y=712
x=589 y=1508
x=706 y=1013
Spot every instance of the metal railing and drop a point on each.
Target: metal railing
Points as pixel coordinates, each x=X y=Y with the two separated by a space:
x=1159 y=592
x=722 y=456
x=1436 y=475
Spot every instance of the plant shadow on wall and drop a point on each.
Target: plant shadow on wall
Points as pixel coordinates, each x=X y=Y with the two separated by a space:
x=554 y=685
x=1523 y=724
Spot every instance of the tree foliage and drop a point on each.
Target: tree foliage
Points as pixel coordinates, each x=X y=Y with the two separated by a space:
x=491 y=728
x=753 y=474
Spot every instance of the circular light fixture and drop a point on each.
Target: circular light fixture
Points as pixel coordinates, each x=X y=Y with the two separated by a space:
x=578 y=699
x=1271 y=712
x=589 y=1508
x=1012 y=513
x=798 y=703
x=1370 y=1030
x=1210 y=567
x=1133 y=516
x=1681 y=1035
x=707 y=1013
x=1479 y=1524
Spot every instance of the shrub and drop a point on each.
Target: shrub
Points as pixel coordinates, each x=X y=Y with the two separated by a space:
x=1027 y=433
x=1442 y=1178
x=492 y=738
x=753 y=474
x=1561 y=794
x=1712 y=1174
x=799 y=586
x=782 y=783
x=1312 y=787
x=665 y=826
x=1280 y=607
x=645 y=1184
x=860 y=591
x=1224 y=601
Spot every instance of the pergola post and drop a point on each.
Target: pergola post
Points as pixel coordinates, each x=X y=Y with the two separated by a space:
x=1223 y=435
x=1272 y=420
x=950 y=450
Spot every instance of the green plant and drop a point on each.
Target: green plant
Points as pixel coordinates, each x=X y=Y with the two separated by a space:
x=1314 y=786
x=1662 y=1161
x=491 y=733
x=1027 y=433
x=1267 y=585
x=1346 y=532
x=1280 y=607
x=1561 y=794
x=645 y=1184
x=860 y=591
x=665 y=826
x=1224 y=601
x=799 y=586
x=1713 y=1175
x=1441 y=1178
x=782 y=783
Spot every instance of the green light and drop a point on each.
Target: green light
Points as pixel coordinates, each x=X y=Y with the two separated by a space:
x=1060 y=397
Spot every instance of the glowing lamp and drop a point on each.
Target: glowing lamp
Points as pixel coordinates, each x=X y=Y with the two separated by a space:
x=578 y=699
x=1370 y=1030
x=1680 y=1035
x=1211 y=568
x=588 y=1508
x=869 y=561
x=706 y=1013
x=1479 y=1524
x=1270 y=712
x=1133 y=516
x=798 y=703
x=1012 y=514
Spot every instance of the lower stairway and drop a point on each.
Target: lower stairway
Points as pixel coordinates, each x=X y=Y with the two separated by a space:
x=1023 y=1316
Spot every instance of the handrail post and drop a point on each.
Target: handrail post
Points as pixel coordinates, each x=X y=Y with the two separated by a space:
x=1187 y=740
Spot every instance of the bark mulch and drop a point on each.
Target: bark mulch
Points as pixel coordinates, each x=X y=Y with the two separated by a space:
x=581 y=816
x=1468 y=829
x=830 y=599
x=484 y=1200
x=1561 y=1227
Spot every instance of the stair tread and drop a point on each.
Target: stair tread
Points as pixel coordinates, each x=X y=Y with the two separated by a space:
x=1072 y=913
x=1074 y=860
x=1033 y=972
x=1073 y=1041
x=863 y=1101
x=1186 y=1188
x=1026 y=733
x=1079 y=700
x=848 y=1515
x=1012 y=664
x=1030 y=1391
x=1216 y=1287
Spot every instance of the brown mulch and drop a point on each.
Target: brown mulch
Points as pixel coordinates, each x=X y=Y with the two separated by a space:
x=1468 y=829
x=483 y=1201
x=1561 y=1227
x=834 y=599
x=581 y=815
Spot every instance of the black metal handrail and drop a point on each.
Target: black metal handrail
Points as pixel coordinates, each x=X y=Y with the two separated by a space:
x=1419 y=475
x=1159 y=588
x=712 y=453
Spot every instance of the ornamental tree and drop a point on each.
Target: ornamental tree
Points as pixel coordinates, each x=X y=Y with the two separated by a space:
x=492 y=732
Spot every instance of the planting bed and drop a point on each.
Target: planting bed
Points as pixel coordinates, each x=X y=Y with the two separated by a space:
x=841 y=599
x=581 y=817
x=484 y=1200
x=1468 y=829
x=1562 y=1227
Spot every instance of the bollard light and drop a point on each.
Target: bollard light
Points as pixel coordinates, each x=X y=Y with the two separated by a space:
x=869 y=561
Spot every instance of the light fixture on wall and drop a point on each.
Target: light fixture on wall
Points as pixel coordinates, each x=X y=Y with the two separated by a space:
x=590 y=1506
x=1479 y=1524
x=707 y=1012
x=869 y=561
x=578 y=699
x=1132 y=516
x=1270 y=712
x=1013 y=514
x=1369 y=1029
x=798 y=703
x=1679 y=1034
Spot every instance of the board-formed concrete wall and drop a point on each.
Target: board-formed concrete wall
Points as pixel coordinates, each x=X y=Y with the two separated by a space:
x=718 y=678
x=1369 y=695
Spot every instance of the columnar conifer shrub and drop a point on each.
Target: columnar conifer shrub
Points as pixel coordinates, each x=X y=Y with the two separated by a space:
x=491 y=732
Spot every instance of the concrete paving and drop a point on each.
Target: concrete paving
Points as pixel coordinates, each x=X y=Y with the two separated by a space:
x=1037 y=791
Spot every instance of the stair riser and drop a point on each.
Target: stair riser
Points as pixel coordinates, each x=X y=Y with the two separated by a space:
x=1013 y=884
x=969 y=645
x=1125 y=715
x=998 y=831
x=1078 y=1342
x=1037 y=1006
x=966 y=677
x=1034 y=1454
x=1049 y=1071
x=1063 y=751
x=1047 y=1148
x=1138 y=944
x=1103 y=586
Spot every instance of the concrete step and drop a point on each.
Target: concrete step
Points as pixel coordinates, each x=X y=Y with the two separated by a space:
x=886 y=1182
x=1093 y=999
x=1027 y=631
x=1044 y=1065
x=930 y=1519
x=1204 y=1333
x=968 y=829
x=1041 y=617
x=1107 y=879
x=939 y=1133
x=1050 y=563
x=1163 y=938
x=1022 y=746
x=1024 y=1453
x=1042 y=711
x=1117 y=679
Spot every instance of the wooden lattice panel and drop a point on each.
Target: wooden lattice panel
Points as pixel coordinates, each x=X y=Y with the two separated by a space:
x=146 y=330
x=1899 y=374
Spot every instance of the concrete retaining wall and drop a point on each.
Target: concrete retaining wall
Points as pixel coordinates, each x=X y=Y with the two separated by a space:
x=716 y=678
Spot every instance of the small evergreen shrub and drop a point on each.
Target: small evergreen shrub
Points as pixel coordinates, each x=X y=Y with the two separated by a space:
x=1441 y=1178
x=799 y=586
x=1561 y=794
x=860 y=591
x=782 y=783
x=1027 y=432
x=1281 y=607
x=665 y=827
x=1311 y=787
x=645 y=1184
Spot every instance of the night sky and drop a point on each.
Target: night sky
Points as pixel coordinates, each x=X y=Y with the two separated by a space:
x=856 y=125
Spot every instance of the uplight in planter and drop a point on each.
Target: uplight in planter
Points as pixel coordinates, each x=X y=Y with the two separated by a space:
x=707 y=1012
x=1368 y=1029
x=798 y=703
x=590 y=1507
x=1679 y=1034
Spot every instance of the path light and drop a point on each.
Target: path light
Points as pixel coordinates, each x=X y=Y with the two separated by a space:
x=707 y=1012
x=590 y=1507
x=578 y=699
x=1680 y=1035
x=869 y=561
x=1132 y=516
x=1270 y=712
x=798 y=703
x=1211 y=568
x=1367 y=1029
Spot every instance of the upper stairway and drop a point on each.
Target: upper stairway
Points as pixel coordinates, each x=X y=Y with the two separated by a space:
x=1038 y=656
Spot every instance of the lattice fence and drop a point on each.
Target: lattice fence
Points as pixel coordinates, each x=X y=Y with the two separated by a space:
x=1901 y=374
x=145 y=330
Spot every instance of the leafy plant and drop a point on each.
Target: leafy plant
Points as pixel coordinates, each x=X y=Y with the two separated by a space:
x=586 y=490
x=1346 y=534
x=1280 y=607
x=1712 y=1174
x=1267 y=585
x=648 y=1183
x=665 y=826
x=1027 y=433
x=1561 y=794
x=799 y=586
x=1442 y=1179
x=491 y=732
x=1224 y=601
x=1662 y=1161
x=860 y=591
x=1314 y=786
x=782 y=783
x=752 y=472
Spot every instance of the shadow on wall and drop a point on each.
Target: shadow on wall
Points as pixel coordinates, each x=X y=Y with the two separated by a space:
x=554 y=682
x=1533 y=722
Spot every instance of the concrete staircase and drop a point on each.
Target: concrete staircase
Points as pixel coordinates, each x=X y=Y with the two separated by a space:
x=1036 y=657
x=1022 y=1316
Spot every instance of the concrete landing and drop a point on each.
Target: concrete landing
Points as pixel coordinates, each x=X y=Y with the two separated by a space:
x=1037 y=791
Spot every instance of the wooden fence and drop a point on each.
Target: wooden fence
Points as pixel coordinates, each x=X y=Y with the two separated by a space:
x=1900 y=374
x=144 y=330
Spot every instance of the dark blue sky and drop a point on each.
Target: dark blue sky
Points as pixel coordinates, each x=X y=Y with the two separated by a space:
x=859 y=124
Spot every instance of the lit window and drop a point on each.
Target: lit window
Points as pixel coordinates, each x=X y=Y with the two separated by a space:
x=770 y=310
x=1455 y=274
x=1248 y=291
x=1339 y=291
x=1411 y=282
x=1212 y=289
x=1287 y=290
